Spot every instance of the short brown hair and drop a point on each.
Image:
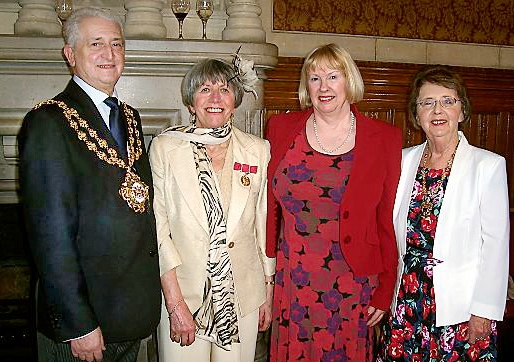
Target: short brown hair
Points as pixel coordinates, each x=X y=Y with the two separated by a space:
x=440 y=75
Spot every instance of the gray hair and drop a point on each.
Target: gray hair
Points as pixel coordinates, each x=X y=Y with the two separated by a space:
x=70 y=30
x=214 y=70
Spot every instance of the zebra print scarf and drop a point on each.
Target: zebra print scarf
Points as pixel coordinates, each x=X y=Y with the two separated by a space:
x=217 y=316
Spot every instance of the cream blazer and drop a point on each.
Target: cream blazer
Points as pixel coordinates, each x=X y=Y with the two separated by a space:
x=182 y=227
x=472 y=235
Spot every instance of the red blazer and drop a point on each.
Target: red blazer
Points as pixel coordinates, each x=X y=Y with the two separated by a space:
x=366 y=223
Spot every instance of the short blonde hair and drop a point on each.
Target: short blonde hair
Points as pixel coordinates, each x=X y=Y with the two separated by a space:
x=335 y=57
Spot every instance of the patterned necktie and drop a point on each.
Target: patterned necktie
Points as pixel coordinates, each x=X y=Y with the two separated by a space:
x=116 y=125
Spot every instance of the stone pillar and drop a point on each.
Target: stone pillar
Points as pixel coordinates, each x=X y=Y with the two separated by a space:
x=37 y=18
x=244 y=23
x=144 y=19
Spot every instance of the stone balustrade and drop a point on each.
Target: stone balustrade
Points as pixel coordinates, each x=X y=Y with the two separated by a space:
x=143 y=18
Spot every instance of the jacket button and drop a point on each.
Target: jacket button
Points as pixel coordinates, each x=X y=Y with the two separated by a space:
x=346 y=214
x=231 y=244
x=347 y=239
x=152 y=253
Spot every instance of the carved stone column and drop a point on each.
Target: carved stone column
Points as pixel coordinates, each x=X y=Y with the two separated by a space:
x=37 y=18
x=244 y=23
x=144 y=19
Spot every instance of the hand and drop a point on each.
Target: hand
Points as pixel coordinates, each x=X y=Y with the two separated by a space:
x=265 y=314
x=89 y=348
x=478 y=328
x=374 y=316
x=182 y=325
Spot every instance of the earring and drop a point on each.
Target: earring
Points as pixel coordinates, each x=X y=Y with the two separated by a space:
x=192 y=118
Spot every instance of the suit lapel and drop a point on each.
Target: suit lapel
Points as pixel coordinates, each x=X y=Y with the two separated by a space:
x=364 y=156
x=242 y=146
x=82 y=103
x=458 y=175
x=182 y=162
x=78 y=99
x=410 y=162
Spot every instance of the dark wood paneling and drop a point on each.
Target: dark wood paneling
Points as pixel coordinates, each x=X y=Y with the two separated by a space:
x=387 y=87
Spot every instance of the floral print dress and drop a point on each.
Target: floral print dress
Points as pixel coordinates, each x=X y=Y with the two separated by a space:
x=318 y=303
x=411 y=333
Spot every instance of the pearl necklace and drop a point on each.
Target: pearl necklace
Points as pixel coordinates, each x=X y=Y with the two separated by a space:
x=352 y=126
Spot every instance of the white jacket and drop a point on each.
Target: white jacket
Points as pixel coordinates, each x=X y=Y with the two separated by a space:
x=472 y=235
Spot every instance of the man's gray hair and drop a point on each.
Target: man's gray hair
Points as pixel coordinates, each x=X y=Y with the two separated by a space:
x=70 y=31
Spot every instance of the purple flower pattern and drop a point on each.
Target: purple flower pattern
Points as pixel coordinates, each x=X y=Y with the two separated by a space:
x=318 y=303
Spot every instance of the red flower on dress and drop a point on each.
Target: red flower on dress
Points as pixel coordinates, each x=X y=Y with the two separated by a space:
x=306 y=296
x=318 y=315
x=429 y=224
x=410 y=282
x=323 y=339
x=322 y=280
x=483 y=343
x=473 y=352
x=462 y=332
x=455 y=357
x=395 y=350
x=416 y=357
x=408 y=331
x=313 y=263
x=426 y=309
x=397 y=336
x=434 y=351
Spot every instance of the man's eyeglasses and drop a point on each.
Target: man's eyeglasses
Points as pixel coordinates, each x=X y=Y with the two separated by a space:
x=445 y=102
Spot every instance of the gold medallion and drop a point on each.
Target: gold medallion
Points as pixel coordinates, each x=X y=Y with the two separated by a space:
x=245 y=180
x=134 y=191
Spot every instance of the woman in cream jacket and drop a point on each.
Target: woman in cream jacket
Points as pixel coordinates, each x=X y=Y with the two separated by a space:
x=210 y=207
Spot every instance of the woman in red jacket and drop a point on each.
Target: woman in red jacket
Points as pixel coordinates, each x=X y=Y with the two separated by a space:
x=332 y=181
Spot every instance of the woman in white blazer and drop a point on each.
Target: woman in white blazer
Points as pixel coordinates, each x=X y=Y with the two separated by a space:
x=210 y=208
x=451 y=219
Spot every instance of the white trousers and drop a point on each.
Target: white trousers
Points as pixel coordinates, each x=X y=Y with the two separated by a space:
x=204 y=351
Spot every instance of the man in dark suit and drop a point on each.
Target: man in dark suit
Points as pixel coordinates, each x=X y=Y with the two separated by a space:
x=86 y=189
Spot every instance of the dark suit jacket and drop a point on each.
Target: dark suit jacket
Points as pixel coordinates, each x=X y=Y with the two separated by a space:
x=366 y=223
x=96 y=259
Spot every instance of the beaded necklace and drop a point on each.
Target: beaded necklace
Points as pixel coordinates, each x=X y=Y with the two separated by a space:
x=133 y=190
x=427 y=204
